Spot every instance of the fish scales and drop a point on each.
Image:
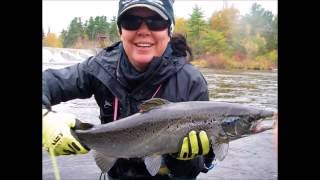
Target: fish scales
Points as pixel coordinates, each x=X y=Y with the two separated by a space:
x=143 y=133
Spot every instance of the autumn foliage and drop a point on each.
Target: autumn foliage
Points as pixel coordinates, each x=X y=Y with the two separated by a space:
x=51 y=40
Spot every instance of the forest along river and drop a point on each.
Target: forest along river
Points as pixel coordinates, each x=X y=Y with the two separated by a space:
x=252 y=157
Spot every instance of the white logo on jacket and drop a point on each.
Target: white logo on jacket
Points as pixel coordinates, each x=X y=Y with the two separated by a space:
x=126 y=2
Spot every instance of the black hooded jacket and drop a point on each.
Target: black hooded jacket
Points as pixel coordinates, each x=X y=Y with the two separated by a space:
x=109 y=74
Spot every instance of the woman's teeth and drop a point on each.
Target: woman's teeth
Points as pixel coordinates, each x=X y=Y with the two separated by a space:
x=143 y=45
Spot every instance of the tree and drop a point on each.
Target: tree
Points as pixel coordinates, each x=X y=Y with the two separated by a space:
x=256 y=33
x=272 y=42
x=75 y=33
x=260 y=19
x=51 y=40
x=113 y=30
x=97 y=25
x=90 y=28
x=63 y=36
x=254 y=45
x=180 y=26
x=196 y=26
x=102 y=25
x=262 y=22
x=225 y=21
x=214 y=42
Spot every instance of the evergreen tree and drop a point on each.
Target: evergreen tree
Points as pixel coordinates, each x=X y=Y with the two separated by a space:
x=90 y=28
x=75 y=32
x=102 y=25
x=196 y=27
x=273 y=38
x=261 y=22
x=214 y=42
x=113 y=30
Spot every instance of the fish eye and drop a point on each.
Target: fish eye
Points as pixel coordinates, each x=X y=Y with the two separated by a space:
x=251 y=119
x=230 y=121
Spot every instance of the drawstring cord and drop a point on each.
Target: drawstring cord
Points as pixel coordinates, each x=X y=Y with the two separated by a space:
x=156 y=91
x=115 y=110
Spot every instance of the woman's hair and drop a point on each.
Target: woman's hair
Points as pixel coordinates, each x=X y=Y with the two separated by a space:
x=180 y=47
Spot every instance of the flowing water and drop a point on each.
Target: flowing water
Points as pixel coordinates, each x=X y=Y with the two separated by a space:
x=256 y=88
x=252 y=157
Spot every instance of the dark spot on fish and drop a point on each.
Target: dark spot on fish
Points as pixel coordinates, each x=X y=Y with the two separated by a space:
x=192 y=121
x=145 y=129
x=177 y=126
x=168 y=126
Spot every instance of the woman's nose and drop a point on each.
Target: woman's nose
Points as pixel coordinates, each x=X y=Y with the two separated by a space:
x=143 y=29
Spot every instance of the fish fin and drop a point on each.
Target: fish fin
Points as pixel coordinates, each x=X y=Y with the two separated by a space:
x=82 y=125
x=153 y=164
x=105 y=163
x=220 y=145
x=152 y=103
x=220 y=150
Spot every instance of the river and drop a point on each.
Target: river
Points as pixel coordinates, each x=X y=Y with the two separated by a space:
x=251 y=157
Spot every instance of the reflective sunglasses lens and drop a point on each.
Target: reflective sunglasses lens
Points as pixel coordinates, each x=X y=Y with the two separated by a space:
x=130 y=22
x=157 y=24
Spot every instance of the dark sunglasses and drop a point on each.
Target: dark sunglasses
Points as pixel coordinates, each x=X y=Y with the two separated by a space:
x=154 y=23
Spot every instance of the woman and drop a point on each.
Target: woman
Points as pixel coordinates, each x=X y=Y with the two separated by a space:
x=148 y=62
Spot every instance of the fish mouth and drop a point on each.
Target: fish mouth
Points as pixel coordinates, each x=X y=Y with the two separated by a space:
x=266 y=114
x=264 y=124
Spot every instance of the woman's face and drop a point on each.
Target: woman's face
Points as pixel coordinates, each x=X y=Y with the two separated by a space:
x=142 y=45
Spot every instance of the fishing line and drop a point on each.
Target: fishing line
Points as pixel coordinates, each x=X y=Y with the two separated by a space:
x=54 y=164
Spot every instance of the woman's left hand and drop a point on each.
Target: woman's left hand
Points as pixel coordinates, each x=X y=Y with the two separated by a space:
x=193 y=145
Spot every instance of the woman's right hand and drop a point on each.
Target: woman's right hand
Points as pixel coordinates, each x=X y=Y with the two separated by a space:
x=56 y=133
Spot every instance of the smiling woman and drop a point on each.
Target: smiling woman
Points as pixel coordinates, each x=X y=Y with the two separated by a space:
x=144 y=34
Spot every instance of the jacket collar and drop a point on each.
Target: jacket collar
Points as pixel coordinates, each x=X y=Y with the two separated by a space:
x=130 y=78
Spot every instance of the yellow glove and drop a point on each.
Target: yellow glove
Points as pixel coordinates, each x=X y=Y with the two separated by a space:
x=56 y=133
x=194 y=144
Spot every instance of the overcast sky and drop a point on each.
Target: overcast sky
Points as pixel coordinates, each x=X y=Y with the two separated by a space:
x=57 y=14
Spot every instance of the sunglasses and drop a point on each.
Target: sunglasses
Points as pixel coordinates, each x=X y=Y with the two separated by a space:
x=154 y=23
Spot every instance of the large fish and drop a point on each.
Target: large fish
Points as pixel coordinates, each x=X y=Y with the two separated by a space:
x=160 y=127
